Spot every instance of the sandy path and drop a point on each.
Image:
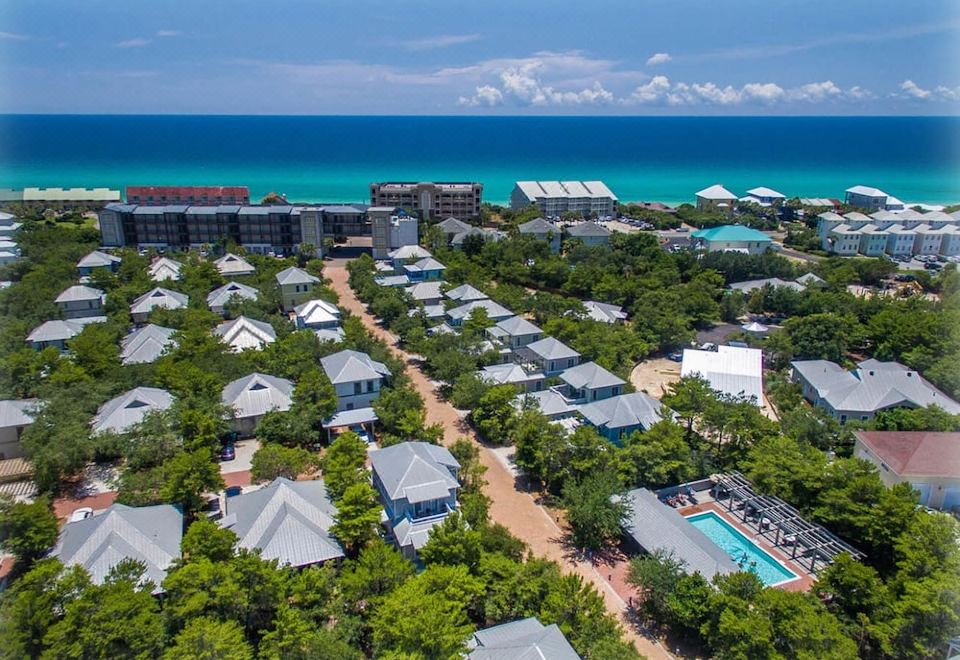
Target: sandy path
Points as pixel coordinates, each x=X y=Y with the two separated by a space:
x=510 y=507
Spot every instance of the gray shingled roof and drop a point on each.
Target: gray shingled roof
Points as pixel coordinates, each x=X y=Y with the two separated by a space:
x=257 y=394
x=295 y=275
x=150 y=534
x=146 y=344
x=550 y=348
x=453 y=226
x=159 y=297
x=524 y=639
x=656 y=526
x=121 y=412
x=288 y=521
x=351 y=366
x=79 y=293
x=415 y=471
x=582 y=229
x=222 y=295
x=635 y=408
x=590 y=375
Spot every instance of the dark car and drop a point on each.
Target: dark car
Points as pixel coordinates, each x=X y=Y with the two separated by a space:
x=676 y=356
x=228 y=453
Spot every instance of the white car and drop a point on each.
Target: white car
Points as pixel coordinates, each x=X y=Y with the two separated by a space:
x=82 y=513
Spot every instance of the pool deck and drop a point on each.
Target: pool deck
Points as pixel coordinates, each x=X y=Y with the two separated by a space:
x=801 y=583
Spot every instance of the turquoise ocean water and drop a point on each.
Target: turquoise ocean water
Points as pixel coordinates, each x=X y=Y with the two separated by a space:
x=641 y=158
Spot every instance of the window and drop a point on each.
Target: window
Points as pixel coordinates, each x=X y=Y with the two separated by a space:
x=571 y=362
x=369 y=386
x=357 y=388
x=349 y=406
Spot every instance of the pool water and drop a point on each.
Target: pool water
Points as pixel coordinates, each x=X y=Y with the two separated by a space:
x=742 y=550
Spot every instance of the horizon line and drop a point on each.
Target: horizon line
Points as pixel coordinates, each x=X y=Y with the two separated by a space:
x=484 y=116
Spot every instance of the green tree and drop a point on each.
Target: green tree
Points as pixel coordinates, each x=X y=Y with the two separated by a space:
x=657 y=575
x=27 y=530
x=690 y=397
x=358 y=516
x=453 y=543
x=294 y=637
x=494 y=415
x=314 y=399
x=596 y=509
x=579 y=611
x=344 y=464
x=377 y=571
x=272 y=461
x=207 y=540
x=208 y=639
x=187 y=477
x=659 y=456
x=825 y=336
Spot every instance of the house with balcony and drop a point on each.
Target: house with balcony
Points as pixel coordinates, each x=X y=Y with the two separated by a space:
x=296 y=285
x=495 y=312
x=620 y=416
x=512 y=374
x=218 y=298
x=589 y=382
x=79 y=301
x=418 y=485
x=356 y=377
x=550 y=355
x=715 y=198
x=427 y=269
x=514 y=332
x=98 y=259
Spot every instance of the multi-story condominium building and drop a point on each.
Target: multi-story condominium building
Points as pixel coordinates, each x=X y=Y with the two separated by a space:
x=430 y=200
x=872 y=199
x=895 y=234
x=345 y=220
x=212 y=195
x=391 y=229
x=59 y=198
x=554 y=198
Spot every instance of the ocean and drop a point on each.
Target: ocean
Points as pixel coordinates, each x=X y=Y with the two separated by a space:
x=334 y=158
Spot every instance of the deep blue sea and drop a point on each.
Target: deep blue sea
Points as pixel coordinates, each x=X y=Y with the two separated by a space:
x=641 y=158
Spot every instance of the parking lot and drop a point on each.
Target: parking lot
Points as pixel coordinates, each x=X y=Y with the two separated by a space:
x=926 y=262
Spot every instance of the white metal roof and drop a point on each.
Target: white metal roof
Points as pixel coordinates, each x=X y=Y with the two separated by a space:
x=352 y=366
x=717 y=191
x=222 y=295
x=122 y=412
x=766 y=192
x=730 y=369
x=146 y=344
x=294 y=275
x=159 y=297
x=79 y=293
x=243 y=333
x=866 y=191
x=231 y=264
x=257 y=394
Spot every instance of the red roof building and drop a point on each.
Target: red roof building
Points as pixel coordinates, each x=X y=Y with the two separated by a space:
x=194 y=195
x=928 y=461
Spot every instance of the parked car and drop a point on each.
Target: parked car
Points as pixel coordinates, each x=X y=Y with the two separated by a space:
x=229 y=452
x=676 y=356
x=82 y=513
x=362 y=433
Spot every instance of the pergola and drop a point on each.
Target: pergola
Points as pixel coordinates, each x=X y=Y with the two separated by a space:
x=780 y=523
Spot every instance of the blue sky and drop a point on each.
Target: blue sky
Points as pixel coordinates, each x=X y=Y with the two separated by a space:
x=481 y=57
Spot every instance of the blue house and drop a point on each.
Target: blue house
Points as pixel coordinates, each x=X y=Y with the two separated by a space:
x=590 y=382
x=427 y=269
x=618 y=417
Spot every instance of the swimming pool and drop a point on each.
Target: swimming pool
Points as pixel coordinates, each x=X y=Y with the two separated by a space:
x=742 y=550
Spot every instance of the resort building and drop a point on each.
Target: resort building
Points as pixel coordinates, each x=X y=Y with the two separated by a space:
x=391 y=229
x=429 y=200
x=296 y=286
x=149 y=535
x=146 y=344
x=620 y=416
x=164 y=269
x=554 y=198
x=15 y=416
x=242 y=334
x=218 y=298
x=342 y=220
x=525 y=639
x=287 y=520
x=122 y=412
x=356 y=377
x=763 y=196
x=551 y=356
x=157 y=298
x=56 y=334
x=187 y=195
x=590 y=382
x=730 y=370
x=59 y=198
x=873 y=386
x=418 y=485
x=589 y=233
x=865 y=197
x=929 y=462
x=251 y=397
x=604 y=312
x=895 y=234
x=715 y=198
x=231 y=265
x=79 y=301
x=98 y=259
x=732 y=238
x=542 y=230
x=8 y=226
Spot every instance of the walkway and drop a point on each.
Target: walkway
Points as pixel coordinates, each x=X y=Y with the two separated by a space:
x=513 y=508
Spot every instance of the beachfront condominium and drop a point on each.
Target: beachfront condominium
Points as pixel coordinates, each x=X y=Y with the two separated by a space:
x=430 y=200
x=206 y=195
x=391 y=229
x=890 y=233
x=59 y=198
x=554 y=198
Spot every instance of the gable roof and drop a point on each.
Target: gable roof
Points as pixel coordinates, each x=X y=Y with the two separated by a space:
x=164 y=268
x=121 y=412
x=351 y=366
x=867 y=191
x=587 y=229
x=159 y=297
x=257 y=394
x=466 y=293
x=453 y=226
x=494 y=310
x=17 y=412
x=550 y=348
x=549 y=402
x=58 y=330
x=730 y=369
x=150 y=534
x=294 y=275
x=409 y=252
x=98 y=259
x=486 y=234
x=415 y=471
x=916 y=454
x=232 y=264
x=222 y=295
x=243 y=333
x=752 y=285
x=317 y=311
x=731 y=233
x=287 y=520
x=517 y=325
x=79 y=293
x=424 y=265
x=589 y=375
x=146 y=344
x=604 y=312
x=426 y=290
x=507 y=373
x=716 y=191
x=763 y=191
x=538 y=226
x=525 y=639
x=625 y=410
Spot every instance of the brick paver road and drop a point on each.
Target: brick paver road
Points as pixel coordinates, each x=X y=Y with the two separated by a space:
x=510 y=507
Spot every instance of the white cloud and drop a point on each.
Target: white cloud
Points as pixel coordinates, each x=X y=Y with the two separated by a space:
x=653 y=91
x=440 y=41
x=658 y=58
x=661 y=91
x=948 y=93
x=485 y=95
x=137 y=42
x=13 y=36
x=169 y=33
x=913 y=92
x=522 y=84
x=816 y=92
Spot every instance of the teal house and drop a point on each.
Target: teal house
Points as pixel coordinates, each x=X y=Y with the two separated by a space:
x=733 y=238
